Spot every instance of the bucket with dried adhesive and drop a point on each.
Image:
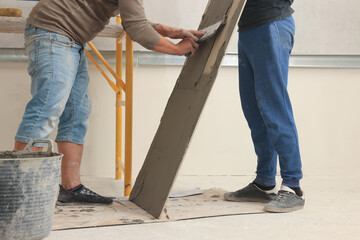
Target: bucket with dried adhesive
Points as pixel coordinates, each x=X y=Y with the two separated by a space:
x=29 y=185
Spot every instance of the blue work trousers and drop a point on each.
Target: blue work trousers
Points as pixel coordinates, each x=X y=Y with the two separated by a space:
x=263 y=76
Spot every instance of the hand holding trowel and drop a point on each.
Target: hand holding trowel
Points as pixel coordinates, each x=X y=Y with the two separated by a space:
x=209 y=32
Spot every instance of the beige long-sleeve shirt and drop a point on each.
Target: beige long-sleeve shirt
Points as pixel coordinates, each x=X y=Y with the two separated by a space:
x=82 y=20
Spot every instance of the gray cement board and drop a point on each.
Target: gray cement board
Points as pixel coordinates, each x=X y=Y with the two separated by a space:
x=183 y=110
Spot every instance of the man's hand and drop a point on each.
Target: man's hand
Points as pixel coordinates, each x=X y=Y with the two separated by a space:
x=178 y=33
x=187 y=46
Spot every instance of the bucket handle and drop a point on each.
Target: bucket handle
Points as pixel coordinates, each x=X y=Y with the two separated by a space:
x=29 y=146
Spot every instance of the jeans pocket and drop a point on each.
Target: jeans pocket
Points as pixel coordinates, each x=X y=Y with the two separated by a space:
x=60 y=40
x=31 y=49
x=29 y=30
x=40 y=56
x=63 y=44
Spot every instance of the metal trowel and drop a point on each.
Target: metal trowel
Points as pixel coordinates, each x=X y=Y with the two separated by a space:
x=209 y=32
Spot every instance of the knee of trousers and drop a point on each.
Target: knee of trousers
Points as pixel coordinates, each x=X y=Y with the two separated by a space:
x=74 y=133
x=74 y=123
x=49 y=119
x=38 y=121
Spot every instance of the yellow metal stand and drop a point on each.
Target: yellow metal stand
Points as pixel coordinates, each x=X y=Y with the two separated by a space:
x=129 y=114
x=119 y=165
x=119 y=88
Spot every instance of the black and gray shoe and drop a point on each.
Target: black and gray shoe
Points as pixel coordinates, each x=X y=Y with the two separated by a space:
x=251 y=193
x=81 y=195
x=285 y=201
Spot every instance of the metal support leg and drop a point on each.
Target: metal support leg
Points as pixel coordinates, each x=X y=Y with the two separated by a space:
x=128 y=116
x=119 y=166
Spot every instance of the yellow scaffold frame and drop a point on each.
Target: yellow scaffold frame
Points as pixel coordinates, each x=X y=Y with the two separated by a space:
x=120 y=88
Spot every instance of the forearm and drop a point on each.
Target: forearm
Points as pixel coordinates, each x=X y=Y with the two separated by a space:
x=152 y=36
x=165 y=31
x=166 y=46
x=136 y=25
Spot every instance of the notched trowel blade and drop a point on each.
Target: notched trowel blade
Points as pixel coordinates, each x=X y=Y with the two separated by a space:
x=211 y=30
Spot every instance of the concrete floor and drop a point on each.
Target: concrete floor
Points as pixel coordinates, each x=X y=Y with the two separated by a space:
x=332 y=211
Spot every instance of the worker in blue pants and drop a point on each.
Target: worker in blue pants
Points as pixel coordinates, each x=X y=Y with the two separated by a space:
x=266 y=39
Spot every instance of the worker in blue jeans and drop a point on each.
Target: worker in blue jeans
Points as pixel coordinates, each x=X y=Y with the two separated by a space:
x=266 y=39
x=55 y=37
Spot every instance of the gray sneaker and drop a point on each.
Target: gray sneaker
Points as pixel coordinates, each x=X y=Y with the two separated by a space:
x=251 y=193
x=285 y=201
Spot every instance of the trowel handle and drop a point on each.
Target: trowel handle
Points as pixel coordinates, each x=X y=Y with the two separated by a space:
x=29 y=146
x=189 y=53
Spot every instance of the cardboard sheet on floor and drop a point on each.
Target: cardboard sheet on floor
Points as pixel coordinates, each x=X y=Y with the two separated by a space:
x=122 y=212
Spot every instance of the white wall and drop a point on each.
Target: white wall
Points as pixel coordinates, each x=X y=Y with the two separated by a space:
x=325 y=103
x=330 y=28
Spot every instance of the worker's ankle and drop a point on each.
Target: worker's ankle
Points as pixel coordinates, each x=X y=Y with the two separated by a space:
x=70 y=186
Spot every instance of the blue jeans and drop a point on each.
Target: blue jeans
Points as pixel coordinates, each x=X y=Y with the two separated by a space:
x=263 y=75
x=59 y=88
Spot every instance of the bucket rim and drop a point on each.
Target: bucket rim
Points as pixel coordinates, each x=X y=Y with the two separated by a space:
x=45 y=155
x=27 y=151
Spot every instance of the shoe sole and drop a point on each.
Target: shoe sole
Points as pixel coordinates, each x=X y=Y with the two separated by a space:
x=233 y=199
x=281 y=210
